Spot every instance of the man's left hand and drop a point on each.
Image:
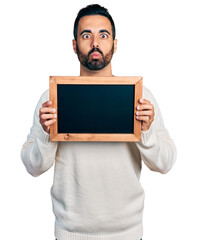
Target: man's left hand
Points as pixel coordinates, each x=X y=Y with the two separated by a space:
x=145 y=113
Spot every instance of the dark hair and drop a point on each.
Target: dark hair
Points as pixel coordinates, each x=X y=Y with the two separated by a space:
x=93 y=9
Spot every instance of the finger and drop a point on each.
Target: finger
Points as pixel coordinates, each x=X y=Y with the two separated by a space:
x=47 y=110
x=143 y=118
x=144 y=113
x=143 y=100
x=48 y=116
x=47 y=104
x=145 y=107
x=49 y=123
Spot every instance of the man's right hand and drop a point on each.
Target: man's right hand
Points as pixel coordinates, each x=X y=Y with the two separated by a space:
x=47 y=116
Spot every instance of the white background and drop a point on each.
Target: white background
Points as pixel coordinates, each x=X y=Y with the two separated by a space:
x=156 y=40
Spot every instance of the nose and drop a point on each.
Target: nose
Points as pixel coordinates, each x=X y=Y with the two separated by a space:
x=95 y=43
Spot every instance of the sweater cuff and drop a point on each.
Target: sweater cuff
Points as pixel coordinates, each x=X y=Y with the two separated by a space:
x=148 y=138
x=44 y=137
x=146 y=135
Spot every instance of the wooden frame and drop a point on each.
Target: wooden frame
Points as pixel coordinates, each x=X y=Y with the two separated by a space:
x=55 y=80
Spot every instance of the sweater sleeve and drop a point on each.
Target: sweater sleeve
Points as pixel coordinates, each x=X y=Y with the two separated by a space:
x=38 y=153
x=156 y=147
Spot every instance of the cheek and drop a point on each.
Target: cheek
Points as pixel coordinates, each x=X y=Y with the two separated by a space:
x=106 y=46
x=84 y=47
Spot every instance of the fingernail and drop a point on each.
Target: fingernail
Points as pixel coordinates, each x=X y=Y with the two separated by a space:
x=137 y=113
x=138 y=107
x=55 y=115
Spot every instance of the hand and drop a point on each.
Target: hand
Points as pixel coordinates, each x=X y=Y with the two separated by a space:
x=47 y=116
x=145 y=113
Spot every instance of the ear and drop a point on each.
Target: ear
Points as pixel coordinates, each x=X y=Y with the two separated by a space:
x=75 y=46
x=115 y=45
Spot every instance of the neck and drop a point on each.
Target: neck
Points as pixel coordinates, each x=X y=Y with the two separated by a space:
x=105 y=72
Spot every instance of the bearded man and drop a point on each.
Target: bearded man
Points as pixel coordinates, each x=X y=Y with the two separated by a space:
x=96 y=193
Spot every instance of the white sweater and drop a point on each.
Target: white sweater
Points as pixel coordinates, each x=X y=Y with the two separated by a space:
x=96 y=193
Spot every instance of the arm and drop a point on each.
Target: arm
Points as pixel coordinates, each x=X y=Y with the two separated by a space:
x=38 y=153
x=156 y=148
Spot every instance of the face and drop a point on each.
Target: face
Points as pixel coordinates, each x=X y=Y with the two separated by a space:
x=95 y=45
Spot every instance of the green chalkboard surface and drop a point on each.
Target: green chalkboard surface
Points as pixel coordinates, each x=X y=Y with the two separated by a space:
x=95 y=108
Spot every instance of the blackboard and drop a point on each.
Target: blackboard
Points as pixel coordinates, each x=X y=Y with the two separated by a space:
x=95 y=109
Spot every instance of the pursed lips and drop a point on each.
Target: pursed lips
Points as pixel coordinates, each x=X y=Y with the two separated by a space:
x=95 y=55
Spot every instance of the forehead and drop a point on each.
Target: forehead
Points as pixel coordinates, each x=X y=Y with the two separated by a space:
x=94 y=22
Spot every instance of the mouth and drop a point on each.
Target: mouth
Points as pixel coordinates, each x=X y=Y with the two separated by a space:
x=95 y=55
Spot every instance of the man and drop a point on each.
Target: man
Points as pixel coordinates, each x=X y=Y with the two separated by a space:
x=96 y=192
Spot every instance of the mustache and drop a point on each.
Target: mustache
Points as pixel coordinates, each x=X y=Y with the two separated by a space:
x=95 y=50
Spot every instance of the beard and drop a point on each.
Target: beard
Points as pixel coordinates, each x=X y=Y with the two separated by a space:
x=95 y=64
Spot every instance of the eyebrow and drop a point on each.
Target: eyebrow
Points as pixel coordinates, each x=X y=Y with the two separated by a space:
x=89 y=31
x=104 y=30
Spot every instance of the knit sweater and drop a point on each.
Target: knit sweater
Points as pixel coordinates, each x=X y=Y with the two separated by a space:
x=96 y=192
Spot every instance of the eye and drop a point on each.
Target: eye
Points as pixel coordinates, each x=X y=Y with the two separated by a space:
x=86 y=36
x=103 y=35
